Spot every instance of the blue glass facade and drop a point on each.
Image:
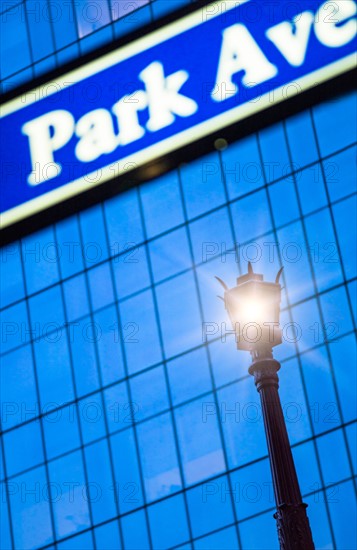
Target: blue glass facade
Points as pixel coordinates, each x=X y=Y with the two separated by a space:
x=128 y=418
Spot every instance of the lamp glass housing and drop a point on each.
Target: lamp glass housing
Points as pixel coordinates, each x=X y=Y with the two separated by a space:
x=254 y=310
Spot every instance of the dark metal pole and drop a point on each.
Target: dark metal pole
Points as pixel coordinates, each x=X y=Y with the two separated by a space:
x=292 y=522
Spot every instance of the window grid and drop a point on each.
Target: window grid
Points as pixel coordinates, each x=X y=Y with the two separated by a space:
x=10 y=80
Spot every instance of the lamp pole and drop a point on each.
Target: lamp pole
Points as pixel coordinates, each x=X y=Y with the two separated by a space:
x=293 y=525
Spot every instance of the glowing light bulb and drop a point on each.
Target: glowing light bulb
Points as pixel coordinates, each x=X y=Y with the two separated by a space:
x=252 y=312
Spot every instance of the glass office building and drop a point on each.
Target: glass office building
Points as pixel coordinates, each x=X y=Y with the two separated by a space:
x=128 y=418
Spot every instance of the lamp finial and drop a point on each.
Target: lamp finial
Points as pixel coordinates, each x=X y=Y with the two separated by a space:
x=222 y=283
x=278 y=275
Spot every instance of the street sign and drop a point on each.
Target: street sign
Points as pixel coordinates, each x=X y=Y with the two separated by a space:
x=206 y=70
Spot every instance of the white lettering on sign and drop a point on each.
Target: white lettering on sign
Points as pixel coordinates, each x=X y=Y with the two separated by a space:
x=95 y=130
x=100 y=131
x=240 y=52
x=292 y=39
x=335 y=28
x=164 y=98
x=47 y=134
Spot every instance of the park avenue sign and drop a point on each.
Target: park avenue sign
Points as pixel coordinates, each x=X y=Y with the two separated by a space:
x=208 y=69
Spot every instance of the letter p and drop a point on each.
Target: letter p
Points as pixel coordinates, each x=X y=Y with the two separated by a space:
x=47 y=134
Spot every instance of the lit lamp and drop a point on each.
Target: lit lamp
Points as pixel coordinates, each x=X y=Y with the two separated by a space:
x=254 y=309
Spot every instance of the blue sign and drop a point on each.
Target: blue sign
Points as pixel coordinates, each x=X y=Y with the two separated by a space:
x=217 y=65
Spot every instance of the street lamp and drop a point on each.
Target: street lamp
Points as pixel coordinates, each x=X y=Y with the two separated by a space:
x=254 y=309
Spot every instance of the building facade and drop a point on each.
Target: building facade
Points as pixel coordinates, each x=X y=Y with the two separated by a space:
x=128 y=418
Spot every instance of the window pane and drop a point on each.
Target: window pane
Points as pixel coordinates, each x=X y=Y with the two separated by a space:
x=332 y=136
x=26 y=437
x=346 y=210
x=80 y=542
x=259 y=533
x=223 y=540
x=40 y=29
x=101 y=493
x=251 y=217
x=70 y=247
x=344 y=359
x=333 y=457
x=211 y=236
x=32 y=502
x=83 y=352
x=199 y=439
x=179 y=314
x=91 y=416
x=341 y=174
x=18 y=388
x=162 y=204
x=91 y=15
x=124 y=221
x=93 y=233
x=242 y=422
x=168 y=523
x=15 y=52
x=40 y=257
x=158 y=455
x=12 y=286
x=76 y=298
x=100 y=285
x=61 y=431
x=189 y=376
x=284 y=201
x=325 y=257
x=343 y=512
x=139 y=331
x=202 y=184
x=253 y=487
x=149 y=393
x=303 y=150
x=121 y=8
x=62 y=18
x=306 y=467
x=170 y=254
x=210 y=506
x=135 y=531
x=242 y=167
x=119 y=410
x=294 y=253
x=126 y=470
x=107 y=536
x=46 y=311
x=310 y=184
x=275 y=153
x=320 y=390
x=70 y=508
x=293 y=402
x=131 y=271
x=54 y=372
x=108 y=344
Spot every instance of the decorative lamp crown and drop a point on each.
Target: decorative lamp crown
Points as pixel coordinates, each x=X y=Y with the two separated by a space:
x=253 y=307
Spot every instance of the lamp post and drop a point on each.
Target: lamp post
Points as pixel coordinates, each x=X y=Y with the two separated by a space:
x=254 y=308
